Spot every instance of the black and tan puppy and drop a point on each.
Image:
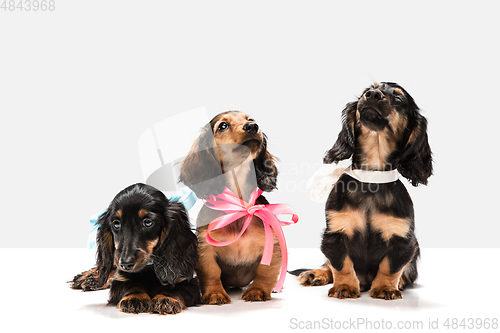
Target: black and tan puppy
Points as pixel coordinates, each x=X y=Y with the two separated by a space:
x=146 y=253
x=369 y=239
x=232 y=152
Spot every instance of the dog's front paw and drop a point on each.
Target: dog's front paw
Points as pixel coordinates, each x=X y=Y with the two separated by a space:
x=136 y=303
x=256 y=295
x=315 y=277
x=387 y=293
x=166 y=305
x=343 y=291
x=216 y=298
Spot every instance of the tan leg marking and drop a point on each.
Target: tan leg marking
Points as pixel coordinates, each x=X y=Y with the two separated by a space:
x=163 y=304
x=209 y=273
x=345 y=281
x=385 y=285
x=265 y=278
x=135 y=303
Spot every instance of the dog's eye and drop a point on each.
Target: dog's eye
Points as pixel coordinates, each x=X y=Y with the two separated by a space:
x=223 y=126
x=148 y=223
x=116 y=225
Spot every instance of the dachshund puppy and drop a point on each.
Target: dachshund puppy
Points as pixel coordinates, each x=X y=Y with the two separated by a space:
x=146 y=253
x=369 y=239
x=232 y=152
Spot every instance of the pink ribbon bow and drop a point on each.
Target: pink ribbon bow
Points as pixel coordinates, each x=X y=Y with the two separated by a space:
x=236 y=208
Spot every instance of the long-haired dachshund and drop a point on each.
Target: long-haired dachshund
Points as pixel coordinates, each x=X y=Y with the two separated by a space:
x=232 y=152
x=146 y=253
x=369 y=240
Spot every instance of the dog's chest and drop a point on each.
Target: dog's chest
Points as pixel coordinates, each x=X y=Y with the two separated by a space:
x=247 y=249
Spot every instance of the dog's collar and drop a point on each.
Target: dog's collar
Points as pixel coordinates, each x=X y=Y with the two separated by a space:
x=323 y=180
x=373 y=177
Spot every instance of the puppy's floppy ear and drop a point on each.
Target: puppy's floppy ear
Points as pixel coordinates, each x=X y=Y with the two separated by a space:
x=344 y=146
x=201 y=169
x=265 y=168
x=416 y=159
x=177 y=253
x=105 y=249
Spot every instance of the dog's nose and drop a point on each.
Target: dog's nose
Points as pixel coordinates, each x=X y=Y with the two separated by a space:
x=127 y=264
x=251 y=128
x=374 y=95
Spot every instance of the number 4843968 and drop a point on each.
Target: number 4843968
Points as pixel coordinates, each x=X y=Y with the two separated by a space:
x=471 y=323
x=28 y=5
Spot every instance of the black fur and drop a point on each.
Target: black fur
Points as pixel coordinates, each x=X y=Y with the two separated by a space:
x=383 y=130
x=412 y=159
x=145 y=226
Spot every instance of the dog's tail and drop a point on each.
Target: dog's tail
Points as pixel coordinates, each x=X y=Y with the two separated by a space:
x=297 y=272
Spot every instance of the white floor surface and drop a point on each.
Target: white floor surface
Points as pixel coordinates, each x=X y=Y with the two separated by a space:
x=456 y=290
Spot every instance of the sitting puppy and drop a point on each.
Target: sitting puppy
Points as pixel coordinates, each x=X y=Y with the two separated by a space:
x=232 y=152
x=369 y=239
x=146 y=253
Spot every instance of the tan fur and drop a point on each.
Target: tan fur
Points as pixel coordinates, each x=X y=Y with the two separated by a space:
x=209 y=273
x=247 y=251
x=151 y=245
x=347 y=222
x=385 y=285
x=377 y=147
x=236 y=160
x=137 y=301
x=142 y=213
x=389 y=225
x=142 y=296
x=86 y=281
x=164 y=304
x=398 y=124
x=265 y=279
x=317 y=277
x=238 y=177
x=235 y=133
x=413 y=136
x=398 y=91
x=119 y=277
x=237 y=264
x=345 y=281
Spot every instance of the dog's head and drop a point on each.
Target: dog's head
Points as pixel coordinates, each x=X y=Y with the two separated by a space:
x=383 y=130
x=226 y=142
x=140 y=227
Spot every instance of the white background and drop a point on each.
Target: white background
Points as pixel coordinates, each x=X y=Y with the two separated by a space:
x=80 y=84
x=444 y=294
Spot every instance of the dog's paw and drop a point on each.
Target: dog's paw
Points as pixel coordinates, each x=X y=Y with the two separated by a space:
x=387 y=293
x=315 y=277
x=216 y=298
x=343 y=291
x=166 y=305
x=86 y=281
x=256 y=295
x=136 y=303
